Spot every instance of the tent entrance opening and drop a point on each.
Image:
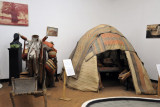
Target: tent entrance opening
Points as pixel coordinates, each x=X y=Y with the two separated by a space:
x=110 y=66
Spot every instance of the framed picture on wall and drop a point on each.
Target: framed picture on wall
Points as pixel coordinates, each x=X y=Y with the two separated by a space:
x=52 y=31
x=153 y=31
x=13 y=13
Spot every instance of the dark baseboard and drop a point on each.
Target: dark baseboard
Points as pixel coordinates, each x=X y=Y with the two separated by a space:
x=4 y=80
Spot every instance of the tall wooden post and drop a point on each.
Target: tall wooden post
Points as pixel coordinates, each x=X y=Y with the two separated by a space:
x=64 y=88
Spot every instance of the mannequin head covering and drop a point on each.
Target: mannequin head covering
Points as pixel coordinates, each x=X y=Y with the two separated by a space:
x=15 y=43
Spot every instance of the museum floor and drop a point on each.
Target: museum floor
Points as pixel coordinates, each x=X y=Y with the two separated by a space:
x=112 y=89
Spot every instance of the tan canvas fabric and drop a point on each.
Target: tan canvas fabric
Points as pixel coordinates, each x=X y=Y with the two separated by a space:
x=88 y=79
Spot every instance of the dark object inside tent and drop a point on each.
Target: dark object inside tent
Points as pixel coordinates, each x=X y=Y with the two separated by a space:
x=113 y=68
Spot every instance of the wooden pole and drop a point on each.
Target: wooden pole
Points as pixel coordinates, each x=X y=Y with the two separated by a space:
x=159 y=86
x=64 y=89
x=64 y=85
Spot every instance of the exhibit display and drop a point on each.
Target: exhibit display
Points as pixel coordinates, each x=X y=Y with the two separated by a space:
x=33 y=55
x=40 y=68
x=122 y=101
x=79 y=53
x=104 y=39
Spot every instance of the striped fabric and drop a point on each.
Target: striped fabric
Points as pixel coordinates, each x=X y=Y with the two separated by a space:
x=140 y=77
x=110 y=41
x=85 y=43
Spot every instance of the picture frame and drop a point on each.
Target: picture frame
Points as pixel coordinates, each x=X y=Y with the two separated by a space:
x=52 y=31
x=13 y=13
x=153 y=31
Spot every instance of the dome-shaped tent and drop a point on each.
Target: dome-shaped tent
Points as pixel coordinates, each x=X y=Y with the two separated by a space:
x=84 y=58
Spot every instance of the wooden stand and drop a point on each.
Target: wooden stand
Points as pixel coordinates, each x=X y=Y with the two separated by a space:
x=64 y=89
x=158 y=86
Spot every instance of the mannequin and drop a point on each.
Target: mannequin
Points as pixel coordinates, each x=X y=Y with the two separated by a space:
x=34 y=46
x=15 y=43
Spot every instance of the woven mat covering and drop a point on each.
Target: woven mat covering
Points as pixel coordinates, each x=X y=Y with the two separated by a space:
x=140 y=77
x=88 y=79
x=98 y=40
x=85 y=43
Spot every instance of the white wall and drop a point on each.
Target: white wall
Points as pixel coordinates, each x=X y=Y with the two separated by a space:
x=72 y=17
x=131 y=17
x=75 y=17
